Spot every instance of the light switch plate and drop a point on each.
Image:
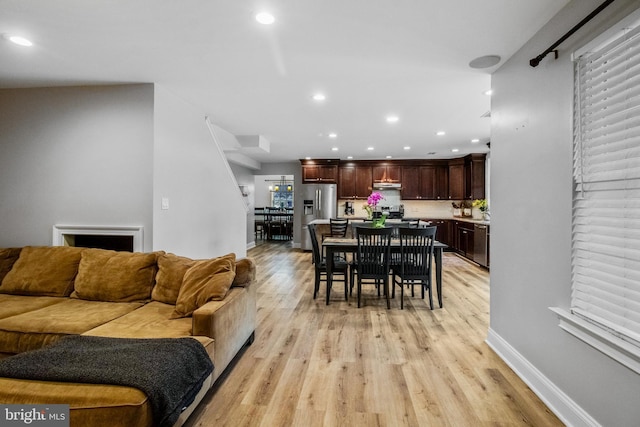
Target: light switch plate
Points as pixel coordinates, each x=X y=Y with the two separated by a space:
x=165 y=203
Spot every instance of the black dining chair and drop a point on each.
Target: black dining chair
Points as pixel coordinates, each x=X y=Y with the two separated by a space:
x=372 y=261
x=340 y=266
x=413 y=266
x=337 y=228
x=260 y=223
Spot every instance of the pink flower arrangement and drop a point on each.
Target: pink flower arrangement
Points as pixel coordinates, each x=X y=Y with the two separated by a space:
x=372 y=201
x=374 y=198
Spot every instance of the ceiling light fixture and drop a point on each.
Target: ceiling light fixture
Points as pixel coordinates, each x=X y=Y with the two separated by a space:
x=333 y=135
x=265 y=18
x=474 y=140
x=441 y=133
x=21 y=41
x=389 y=157
x=319 y=97
x=392 y=119
x=454 y=150
x=485 y=61
x=334 y=149
x=349 y=157
x=370 y=148
x=407 y=148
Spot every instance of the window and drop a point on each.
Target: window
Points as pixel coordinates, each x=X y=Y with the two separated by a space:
x=605 y=293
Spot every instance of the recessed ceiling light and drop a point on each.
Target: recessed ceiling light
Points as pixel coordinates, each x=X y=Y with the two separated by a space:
x=474 y=140
x=454 y=150
x=265 y=18
x=334 y=149
x=407 y=148
x=333 y=135
x=389 y=157
x=18 y=40
x=441 y=133
x=307 y=158
x=370 y=148
x=319 y=97
x=392 y=119
x=488 y=92
x=349 y=157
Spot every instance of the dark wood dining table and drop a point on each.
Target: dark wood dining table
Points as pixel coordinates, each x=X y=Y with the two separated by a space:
x=333 y=245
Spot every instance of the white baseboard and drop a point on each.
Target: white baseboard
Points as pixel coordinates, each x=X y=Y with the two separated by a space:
x=558 y=402
x=251 y=245
x=295 y=245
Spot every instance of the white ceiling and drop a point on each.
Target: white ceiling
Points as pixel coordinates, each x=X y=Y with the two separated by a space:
x=370 y=57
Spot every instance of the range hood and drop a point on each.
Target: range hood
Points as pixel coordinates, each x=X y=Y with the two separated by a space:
x=387 y=186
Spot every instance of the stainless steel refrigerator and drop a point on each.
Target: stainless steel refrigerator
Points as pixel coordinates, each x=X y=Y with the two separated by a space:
x=319 y=202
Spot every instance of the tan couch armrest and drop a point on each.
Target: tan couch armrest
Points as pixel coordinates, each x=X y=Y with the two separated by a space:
x=229 y=322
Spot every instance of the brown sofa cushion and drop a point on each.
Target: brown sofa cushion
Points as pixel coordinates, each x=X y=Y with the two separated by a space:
x=37 y=328
x=115 y=276
x=206 y=280
x=245 y=272
x=44 y=271
x=8 y=257
x=171 y=271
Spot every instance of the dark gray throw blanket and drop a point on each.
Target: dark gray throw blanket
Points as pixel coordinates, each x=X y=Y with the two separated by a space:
x=170 y=371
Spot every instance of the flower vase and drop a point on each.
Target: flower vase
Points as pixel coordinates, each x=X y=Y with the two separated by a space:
x=379 y=222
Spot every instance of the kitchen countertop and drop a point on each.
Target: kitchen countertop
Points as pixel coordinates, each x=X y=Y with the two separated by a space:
x=397 y=221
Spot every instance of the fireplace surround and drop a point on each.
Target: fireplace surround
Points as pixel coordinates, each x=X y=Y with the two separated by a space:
x=130 y=238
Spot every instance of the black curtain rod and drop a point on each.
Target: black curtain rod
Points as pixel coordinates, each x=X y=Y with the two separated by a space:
x=535 y=61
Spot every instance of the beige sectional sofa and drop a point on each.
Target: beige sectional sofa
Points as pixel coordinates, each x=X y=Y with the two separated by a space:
x=50 y=292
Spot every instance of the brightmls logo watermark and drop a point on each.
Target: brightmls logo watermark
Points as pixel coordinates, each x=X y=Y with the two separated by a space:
x=36 y=415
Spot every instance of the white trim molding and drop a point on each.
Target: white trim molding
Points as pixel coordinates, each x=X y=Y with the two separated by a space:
x=569 y=412
x=62 y=232
x=598 y=338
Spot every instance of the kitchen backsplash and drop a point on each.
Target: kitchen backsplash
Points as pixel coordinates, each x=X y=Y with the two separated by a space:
x=412 y=208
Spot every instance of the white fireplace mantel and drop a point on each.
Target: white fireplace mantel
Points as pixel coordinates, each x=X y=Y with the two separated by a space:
x=60 y=231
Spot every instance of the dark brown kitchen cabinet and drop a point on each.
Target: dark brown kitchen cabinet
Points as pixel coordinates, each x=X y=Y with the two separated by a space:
x=467 y=177
x=475 y=176
x=456 y=179
x=410 y=183
x=442 y=230
x=386 y=173
x=354 y=181
x=463 y=238
x=320 y=174
x=419 y=183
x=442 y=182
x=347 y=182
x=364 y=181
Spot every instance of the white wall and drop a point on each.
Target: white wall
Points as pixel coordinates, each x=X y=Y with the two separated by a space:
x=244 y=176
x=531 y=164
x=206 y=215
x=74 y=155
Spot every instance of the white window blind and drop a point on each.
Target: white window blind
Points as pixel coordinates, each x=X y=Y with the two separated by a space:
x=606 y=206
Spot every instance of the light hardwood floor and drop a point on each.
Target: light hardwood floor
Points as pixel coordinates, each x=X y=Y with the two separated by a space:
x=337 y=365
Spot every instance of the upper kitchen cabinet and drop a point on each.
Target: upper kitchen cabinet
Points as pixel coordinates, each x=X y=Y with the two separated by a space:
x=442 y=182
x=418 y=182
x=475 y=176
x=467 y=177
x=320 y=171
x=354 y=181
x=386 y=173
x=456 y=179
